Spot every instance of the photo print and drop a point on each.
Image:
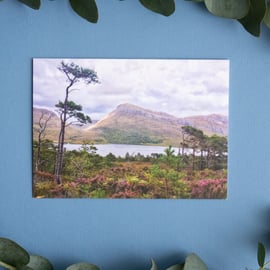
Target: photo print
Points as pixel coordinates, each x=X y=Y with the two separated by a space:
x=130 y=128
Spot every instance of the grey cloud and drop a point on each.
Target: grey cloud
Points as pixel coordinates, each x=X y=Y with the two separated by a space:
x=179 y=86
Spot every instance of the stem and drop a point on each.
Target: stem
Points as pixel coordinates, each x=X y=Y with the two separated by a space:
x=265 y=264
x=7 y=266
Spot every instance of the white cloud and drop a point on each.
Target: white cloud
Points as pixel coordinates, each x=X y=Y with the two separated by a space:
x=179 y=87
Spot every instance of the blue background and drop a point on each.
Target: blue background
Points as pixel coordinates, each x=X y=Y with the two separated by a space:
x=125 y=234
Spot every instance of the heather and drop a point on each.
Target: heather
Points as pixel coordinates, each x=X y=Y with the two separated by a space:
x=164 y=176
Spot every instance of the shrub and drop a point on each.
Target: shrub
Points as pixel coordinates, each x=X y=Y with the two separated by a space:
x=209 y=189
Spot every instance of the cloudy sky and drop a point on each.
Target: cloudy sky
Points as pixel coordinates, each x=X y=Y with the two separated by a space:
x=178 y=87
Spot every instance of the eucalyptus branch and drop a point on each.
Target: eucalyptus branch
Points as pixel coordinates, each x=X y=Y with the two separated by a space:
x=251 y=14
x=261 y=253
x=11 y=251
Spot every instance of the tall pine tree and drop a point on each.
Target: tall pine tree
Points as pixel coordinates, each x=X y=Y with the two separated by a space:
x=69 y=111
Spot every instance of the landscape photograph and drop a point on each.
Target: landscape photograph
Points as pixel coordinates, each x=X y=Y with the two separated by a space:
x=130 y=128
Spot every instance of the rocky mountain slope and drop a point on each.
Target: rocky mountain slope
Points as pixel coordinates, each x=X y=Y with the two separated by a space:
x=131 y=124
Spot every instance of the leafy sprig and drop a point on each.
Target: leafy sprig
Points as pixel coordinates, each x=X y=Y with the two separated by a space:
x=15 y=257
x=261 y=253
x=250 y=13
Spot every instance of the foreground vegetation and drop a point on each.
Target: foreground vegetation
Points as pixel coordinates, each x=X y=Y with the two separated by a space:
x=89 y=175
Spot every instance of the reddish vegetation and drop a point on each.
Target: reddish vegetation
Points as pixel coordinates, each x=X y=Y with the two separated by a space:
x=136 y=180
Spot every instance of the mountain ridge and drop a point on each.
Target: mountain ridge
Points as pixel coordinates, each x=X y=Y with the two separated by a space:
x=131 y=124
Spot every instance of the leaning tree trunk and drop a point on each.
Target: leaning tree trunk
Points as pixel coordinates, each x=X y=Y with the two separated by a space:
x=74 y=74
x=60 y=148
x=61 y=141
x=59 y=157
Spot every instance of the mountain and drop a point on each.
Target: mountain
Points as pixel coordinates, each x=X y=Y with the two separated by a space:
x=210 y=124
x=40 y=116
x=130 y=124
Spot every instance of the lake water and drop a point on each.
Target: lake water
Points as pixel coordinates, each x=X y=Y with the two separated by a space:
x=122 y=149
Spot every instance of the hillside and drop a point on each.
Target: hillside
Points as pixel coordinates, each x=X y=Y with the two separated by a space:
x=73 y=134
x=130 y=124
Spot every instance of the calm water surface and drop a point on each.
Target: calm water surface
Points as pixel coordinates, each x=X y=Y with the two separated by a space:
x=122 y=149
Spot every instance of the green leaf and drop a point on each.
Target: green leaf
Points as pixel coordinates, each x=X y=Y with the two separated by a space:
x=34 y=4
x=261 y=254
x=39 y=263
x=24 y=267
x=228 y=8
x=194 y=262
x=252 y=22
x=82 y=266
x=176 y=267
x=266 y=18
x=164 y=7
x=12 y=253
x=154 y=265
x=87 y=9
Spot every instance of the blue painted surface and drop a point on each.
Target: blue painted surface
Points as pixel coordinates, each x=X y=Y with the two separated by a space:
x=125 y=234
